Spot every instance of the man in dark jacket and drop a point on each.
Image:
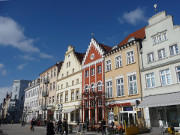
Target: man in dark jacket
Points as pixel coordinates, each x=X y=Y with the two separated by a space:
x=64 y=127
x=59 y=126
x=103 y=127
x=50 y=128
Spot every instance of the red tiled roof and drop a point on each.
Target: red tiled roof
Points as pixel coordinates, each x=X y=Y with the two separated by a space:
x=105 y=47
x=137 y=34
x=80 y=56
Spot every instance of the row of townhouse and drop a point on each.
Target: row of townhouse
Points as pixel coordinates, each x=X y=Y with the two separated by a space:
x=136 y=81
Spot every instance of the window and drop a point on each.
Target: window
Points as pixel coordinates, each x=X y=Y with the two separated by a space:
x=61 y=98
x=77 y=94
x=57 y=98
x=62 y=75
x=109 y=89
x=92 y=71
x=77 y=81
x=55 y=72
x=86 y=88
x=165 y=77
x=120 y=87
x=178 y=73
x=108 y=65
x=92 y=103
x=150 y=57
x=132 y=81
x=72 y=82
x=86 y=103
x=99 y=69
x=66 y=97
x=99 y=86
x=150 y=80
x=66 y=84
x=54 y=85
x=173 y=49
x=61 y=86
x=51 y=73
x=73 y=70
x=92 y=88
x=154 y=41
x=92 y=56
x=130 y=57
x=118 y=61
x=164 y=36
x=87 y=73
x=49 y=100
x=72 y=96
x=67 y=73
x=15 y=97
x=53 y=99
x=99 y=102
x=50 y=86
x=161 y=53
x=159 y=38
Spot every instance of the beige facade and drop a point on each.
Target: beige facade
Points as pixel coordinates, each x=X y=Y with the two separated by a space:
x=69 y=87
x=47 y=92
x=122 y=83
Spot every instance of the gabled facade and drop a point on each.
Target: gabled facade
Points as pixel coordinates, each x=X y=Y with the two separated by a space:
x=93 y=94
x=161 y=72
x=47 y=92
x=69 y=85
x=122 y=80
x=31 y=109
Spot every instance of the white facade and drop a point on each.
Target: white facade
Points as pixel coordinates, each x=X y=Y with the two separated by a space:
x=31 y=100
x=69 y=87
x=160 y=64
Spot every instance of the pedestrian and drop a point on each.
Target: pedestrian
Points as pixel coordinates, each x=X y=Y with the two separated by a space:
x=103 y=127
x=112 y=126
x=59 y=126
x=32 y=124
x=64 y=127
x=50 y=128
x=45 y=123
x=87 y=124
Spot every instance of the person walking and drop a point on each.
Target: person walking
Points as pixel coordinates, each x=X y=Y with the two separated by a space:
x=32 y=124
x=59 y=126
x=103 y=127
x=64 y=127
x=50 y=128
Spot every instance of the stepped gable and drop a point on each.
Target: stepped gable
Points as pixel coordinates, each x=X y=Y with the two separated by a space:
x=137 y=34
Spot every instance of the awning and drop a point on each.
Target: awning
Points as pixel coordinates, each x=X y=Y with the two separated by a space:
x=161 y=100
x=68 y=110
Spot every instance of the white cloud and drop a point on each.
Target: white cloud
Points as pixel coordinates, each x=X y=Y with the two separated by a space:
x=133 y=17
x=2 y=69
x=43 y=55
x=26 y=57
x=3 y=91
x=21 y=66
x=12 y=34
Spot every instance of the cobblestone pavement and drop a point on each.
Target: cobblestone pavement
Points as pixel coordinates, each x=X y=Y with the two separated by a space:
x=17 y=129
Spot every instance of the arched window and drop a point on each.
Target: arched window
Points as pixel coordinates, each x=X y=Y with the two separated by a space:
x=99 y=85
x=86 y=88
x=92 y=88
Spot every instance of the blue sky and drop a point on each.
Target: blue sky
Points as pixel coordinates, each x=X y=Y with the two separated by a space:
x=34 y=35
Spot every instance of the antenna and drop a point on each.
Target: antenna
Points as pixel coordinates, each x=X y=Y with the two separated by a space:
x=92 y=34
x=155 y=6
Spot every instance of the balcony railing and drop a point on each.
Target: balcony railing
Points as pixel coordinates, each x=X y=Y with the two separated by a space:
x=45 y=94
x=46 y=81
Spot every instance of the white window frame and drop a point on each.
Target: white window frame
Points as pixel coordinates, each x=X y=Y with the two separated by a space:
x=77 y=94
x=118 y=61
x=161 y=54
x=92 y=103
x=108 y=65
x=99 y=69
x=175 y=52
x=161 y=75
x=99 y=101
x=72 y=96
x=130 y=57
x=133 y=82
x=66 y=97
x=86 y=103
x=150 y=57
x=93 y=87
x=99 y=86
x=178 y=74
x=109 y=89
x=151 y=77
x=86 y=88
x=121 y=85
x=61 y=98
x=92 y=71
x=86 y=73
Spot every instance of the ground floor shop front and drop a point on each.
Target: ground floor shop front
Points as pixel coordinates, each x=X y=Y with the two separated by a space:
x=162 y=110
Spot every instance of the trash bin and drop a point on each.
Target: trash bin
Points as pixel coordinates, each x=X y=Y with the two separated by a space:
x=70 y=129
